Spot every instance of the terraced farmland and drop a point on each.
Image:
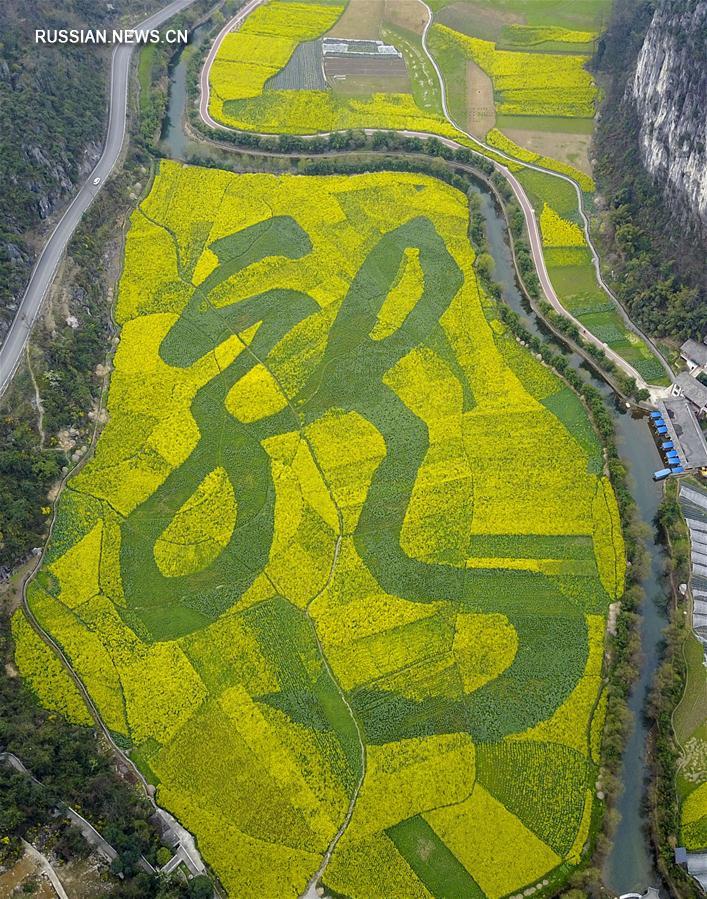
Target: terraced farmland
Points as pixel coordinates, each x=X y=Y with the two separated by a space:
x=305 y=575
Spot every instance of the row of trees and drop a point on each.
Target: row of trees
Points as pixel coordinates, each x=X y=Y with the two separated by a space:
x=659 y=275
x=625 y=384
x=625 y=642
x=155 y=62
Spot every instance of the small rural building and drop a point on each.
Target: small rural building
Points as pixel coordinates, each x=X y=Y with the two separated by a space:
x=693 y=390
x=694 y=353
x=684 y=431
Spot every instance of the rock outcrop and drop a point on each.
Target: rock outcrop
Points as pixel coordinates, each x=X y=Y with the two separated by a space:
x=669 y=89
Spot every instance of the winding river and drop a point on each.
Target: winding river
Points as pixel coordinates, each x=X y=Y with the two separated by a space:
x=629 y=866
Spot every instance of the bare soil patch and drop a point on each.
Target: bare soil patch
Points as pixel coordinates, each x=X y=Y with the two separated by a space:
x=84 y=878
x=481 y=112
x=409 y=15
x=364 y=65
x=361 y=19
x=11 y=589
x=24 y=872
x=571 y=148
x=365 y=85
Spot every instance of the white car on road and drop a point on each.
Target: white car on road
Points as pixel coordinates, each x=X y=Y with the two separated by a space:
x=96 y=180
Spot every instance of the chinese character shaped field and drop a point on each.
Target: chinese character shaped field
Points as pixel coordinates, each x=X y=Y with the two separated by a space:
x=339 y=568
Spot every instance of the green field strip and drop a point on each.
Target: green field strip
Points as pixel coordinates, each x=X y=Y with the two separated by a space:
x=436 y=866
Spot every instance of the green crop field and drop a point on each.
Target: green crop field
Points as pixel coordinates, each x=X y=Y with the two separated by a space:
x=571 y=269
x=344 y=547
x=690 y=721
x=554 y=124
x=244 y=96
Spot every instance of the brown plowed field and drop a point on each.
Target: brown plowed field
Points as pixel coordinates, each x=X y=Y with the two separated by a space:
x=409 y=15
x=363 y=65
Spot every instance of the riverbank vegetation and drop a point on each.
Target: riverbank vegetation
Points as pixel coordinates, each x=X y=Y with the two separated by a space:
x=267 y=110
x=623 y=641
x=155 y=62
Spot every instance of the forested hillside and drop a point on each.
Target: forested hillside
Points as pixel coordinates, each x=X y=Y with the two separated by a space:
x=52 y=120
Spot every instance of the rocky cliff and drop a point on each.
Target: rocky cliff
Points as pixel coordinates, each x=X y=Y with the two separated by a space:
x=669 y=89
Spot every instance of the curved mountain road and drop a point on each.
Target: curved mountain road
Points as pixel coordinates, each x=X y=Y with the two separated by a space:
x=53 y=251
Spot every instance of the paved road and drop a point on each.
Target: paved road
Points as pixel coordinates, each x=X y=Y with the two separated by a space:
x=697 y=867
x=182 y=843
x=231 y=25
x=534 y=231
x=51 y=255
x=517 y=188
x=11 y=350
